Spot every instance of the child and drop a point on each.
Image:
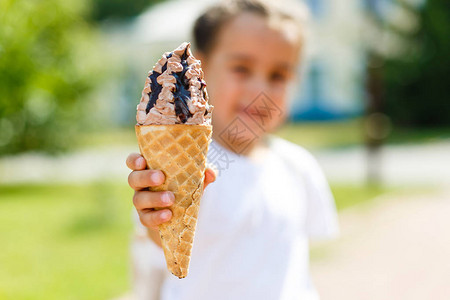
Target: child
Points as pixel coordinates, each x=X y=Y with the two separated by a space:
x=270 y=197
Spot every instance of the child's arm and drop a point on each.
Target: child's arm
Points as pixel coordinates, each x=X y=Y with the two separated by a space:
x=145 y=201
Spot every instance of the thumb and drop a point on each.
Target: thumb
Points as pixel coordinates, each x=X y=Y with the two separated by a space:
x=210 y=177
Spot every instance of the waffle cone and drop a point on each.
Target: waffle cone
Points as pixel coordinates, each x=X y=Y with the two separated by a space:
x=179 y=151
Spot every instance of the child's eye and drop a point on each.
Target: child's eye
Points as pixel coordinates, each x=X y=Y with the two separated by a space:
x=243 y=70
x=277 y=77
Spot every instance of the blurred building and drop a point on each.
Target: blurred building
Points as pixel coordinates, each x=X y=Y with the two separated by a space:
x=331 y=81
x=333 y=84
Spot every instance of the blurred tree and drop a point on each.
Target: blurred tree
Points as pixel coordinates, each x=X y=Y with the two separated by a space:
x=119 y=9
x=47 y=67
x=417 y=82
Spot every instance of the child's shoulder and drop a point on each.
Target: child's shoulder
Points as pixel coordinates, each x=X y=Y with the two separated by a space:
x=287 y=148
x=293 y=154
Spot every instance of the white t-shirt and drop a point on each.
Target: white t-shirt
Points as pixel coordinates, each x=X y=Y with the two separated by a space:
x=252 y=233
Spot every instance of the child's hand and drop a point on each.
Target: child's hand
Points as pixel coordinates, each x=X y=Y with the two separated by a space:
x=145 y=201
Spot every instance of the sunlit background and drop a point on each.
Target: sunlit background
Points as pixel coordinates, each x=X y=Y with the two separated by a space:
x=372 y=105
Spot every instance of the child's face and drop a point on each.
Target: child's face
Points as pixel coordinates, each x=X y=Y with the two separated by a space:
x=250 y=57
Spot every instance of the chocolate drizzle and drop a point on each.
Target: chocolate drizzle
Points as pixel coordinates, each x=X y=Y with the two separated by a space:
x=182 y=94
x=155 y=86
x=156 y=90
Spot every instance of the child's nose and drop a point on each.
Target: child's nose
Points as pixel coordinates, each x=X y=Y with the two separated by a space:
x=256 y=86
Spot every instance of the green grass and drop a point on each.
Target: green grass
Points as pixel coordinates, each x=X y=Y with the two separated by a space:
x=117 y=136
x=323 y=134
x=64 y=241
x=418 y=135
x=351 y=195
x=351 y=132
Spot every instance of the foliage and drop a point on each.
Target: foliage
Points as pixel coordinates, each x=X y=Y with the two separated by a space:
x=417 y=88
x=47 y=68
x=119 y=9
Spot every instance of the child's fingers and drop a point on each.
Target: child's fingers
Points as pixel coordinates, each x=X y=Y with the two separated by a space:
x=154 y=218
x=148 y=200
x=139 y=180
x=136 y=162
x=210 y=177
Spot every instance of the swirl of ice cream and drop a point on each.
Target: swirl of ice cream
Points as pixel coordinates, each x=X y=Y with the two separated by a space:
x=175 y=92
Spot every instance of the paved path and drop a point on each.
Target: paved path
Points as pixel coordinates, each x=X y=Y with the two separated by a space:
x=395 y=248
x=400 y=165
x=82 y=166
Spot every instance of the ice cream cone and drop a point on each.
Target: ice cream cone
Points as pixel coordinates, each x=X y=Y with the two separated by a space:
x=179 y=151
